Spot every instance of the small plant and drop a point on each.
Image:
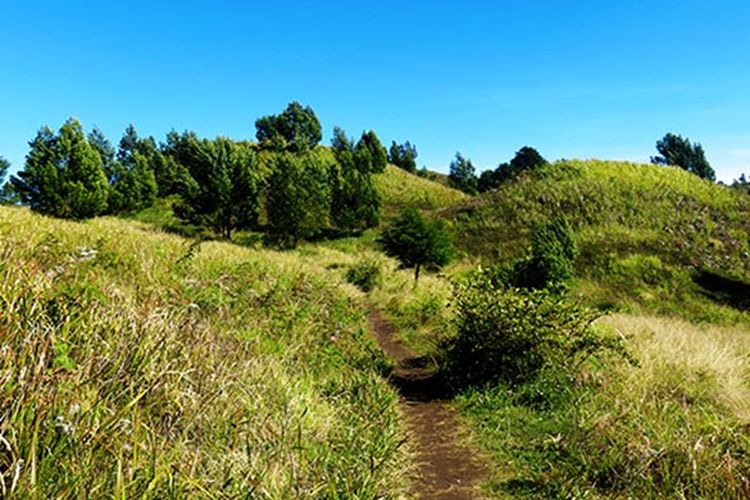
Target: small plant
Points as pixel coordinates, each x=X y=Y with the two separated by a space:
x=364 y=274
x=511 y=334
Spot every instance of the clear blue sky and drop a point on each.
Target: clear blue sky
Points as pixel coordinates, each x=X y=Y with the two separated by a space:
x=583 y=79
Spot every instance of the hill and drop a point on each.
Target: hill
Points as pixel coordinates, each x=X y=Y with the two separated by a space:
x=398 y=188
x=140 y=364
x=650 y=237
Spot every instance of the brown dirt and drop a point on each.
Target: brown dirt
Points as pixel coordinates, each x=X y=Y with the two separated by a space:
x=448 y=468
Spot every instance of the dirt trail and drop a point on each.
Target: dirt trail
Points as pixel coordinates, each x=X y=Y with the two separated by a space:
x=448 y=469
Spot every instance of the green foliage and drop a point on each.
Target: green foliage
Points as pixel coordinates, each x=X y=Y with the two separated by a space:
x=355 y=203
x=398 y=189
x=679 y=151
x=7 y=193
x=526 y=159
x=462 y=175
x=417 y=242
x=741 y=184
x=509 y=334
x=403 y=156
x=296 y=129
x=364 y=274
x=135 y=366
x=63 y=174
x=299 y=198
x=221 y=191
x=619 y=211
x=552 y=260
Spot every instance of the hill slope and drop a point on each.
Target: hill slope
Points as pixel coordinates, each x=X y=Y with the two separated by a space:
x=139 y=364
x=398 y=188
x=645 y=233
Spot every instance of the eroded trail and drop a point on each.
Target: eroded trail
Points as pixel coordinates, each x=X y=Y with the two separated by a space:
x=448 y=468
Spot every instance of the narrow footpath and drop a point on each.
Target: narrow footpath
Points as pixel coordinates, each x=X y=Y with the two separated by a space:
x=448 y=468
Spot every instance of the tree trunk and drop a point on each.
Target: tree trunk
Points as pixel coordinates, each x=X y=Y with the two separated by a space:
x=416 y=274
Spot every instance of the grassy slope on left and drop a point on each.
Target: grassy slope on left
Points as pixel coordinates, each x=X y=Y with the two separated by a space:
x=135 y=363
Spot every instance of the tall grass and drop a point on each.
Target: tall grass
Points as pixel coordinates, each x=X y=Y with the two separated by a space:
x=139 y=364
x=675 y=426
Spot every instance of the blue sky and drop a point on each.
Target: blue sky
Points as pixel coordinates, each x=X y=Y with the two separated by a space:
x=583 y=79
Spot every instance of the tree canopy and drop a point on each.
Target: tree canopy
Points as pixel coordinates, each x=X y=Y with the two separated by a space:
x=221 y=190
x=63 y=174
x=462 y=175
x=403 y=156
x=296 y=129
x=679 y=151
x=417 y=242
x=526 y=158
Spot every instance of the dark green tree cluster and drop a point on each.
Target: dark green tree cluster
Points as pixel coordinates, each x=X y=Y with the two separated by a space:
x=526 y=158
x=403 y=156
x=417 y=242
x=71 y=175
x=742 y=184
x=7 y=193
x=462 y=175
x=221 y=184
x=220 y=190
x=679 y=151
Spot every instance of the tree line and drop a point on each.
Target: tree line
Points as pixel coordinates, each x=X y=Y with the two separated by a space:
x=285 y=183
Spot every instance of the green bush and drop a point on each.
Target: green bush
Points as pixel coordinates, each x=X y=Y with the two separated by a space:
x=364 y=274
x=511 y=334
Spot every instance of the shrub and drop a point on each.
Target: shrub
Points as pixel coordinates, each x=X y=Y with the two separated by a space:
x=510 y=334
x=553 y=254
x=364 y=274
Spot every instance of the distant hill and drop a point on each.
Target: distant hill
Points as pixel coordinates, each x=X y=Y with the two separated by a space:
x=645 y=233
x=399 y=188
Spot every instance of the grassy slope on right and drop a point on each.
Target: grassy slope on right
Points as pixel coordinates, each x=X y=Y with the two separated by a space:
x=643 y=232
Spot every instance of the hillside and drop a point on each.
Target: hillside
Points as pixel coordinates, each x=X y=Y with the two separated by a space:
x=399 y=188
x=649 y=236
x=140 y=364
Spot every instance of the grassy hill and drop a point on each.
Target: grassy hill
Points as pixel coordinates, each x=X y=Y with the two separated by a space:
x=399 y=188
x=140 y=364
x=650 y=237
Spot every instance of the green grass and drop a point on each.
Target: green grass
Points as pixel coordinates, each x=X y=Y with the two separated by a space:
x=642 y=230
x=398 y=188
x=140 y=364
x=674 y=427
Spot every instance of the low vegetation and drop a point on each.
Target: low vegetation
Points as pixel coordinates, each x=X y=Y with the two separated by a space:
x=140 y=364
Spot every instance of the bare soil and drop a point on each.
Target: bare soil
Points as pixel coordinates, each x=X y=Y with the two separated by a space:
x=448 y=468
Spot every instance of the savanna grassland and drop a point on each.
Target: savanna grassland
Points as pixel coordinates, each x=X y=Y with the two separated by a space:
x=142 y=363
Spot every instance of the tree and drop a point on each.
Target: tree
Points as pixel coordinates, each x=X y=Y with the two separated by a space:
x=63 y=174
x=355 y=203
x=417 y=242
x=461 y=175
x=296 y=129
x=132 y=181
x=221 y=190
x=7 y=194
x=526 y=158
x=299 y=198
x=742 y=184
x=403 y=156
x=679 y=151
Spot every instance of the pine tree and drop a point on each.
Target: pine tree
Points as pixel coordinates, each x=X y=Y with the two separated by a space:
x=220 y=190
x=296 y=129
x=679 y=151
x=461 y=175
x=63 y=174
x=403 y=156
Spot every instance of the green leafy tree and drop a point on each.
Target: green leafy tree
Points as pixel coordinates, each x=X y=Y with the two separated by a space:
x=221 y=190
x=132 y=180
x=679 y=151
x=299 y=198
x=741 y=184
x=417 y=242
x=167 y=173
x=355 y=203
x=296 y=129
x=63 y=174
x=7 y=194
x=462 y=175
x=403 y=156
x=526 y=158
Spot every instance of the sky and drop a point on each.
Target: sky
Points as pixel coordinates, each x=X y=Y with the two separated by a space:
x=574 y=79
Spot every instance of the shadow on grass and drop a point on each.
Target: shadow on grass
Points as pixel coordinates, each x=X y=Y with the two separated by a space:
x=724 y=289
